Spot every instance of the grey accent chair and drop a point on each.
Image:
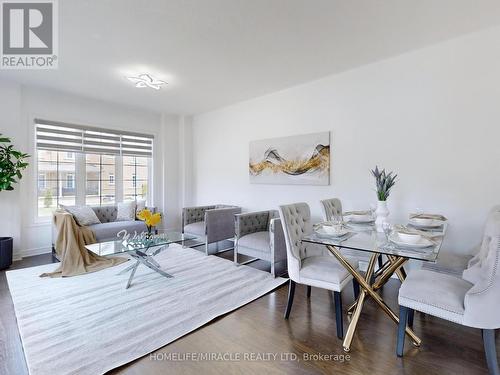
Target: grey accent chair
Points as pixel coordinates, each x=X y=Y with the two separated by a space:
x=260 y=235
x=311 y=264
x=211 y=223
x=333 y=208
x=455 y=264
x=472 y=300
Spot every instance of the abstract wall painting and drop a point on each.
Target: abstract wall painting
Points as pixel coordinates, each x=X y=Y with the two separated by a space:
x=296 y=160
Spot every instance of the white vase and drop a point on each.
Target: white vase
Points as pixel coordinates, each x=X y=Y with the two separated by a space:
x=382 y=212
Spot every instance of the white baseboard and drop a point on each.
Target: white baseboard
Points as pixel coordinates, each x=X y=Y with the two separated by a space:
x=35 y=251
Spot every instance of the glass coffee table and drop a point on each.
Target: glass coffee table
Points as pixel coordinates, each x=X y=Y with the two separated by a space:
x=143 y=249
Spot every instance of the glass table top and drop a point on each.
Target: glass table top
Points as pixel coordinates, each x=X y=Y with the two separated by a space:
x=366 y=238
x=139 y=243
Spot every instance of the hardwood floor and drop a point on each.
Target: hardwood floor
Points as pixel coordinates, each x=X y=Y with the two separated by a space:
x=259 y=329
x=11 y=351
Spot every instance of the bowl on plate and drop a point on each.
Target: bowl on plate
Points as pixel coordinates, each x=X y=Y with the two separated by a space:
x=409 y=238
x=423 y=221
x=332 y=230
x=360 y=218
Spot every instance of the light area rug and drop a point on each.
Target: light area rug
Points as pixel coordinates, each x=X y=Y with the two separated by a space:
x=90 y=324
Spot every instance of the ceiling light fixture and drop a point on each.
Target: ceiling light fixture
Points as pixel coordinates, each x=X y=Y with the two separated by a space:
x=146 y=80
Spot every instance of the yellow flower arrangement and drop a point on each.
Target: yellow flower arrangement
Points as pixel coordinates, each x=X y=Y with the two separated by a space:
x=150 y=219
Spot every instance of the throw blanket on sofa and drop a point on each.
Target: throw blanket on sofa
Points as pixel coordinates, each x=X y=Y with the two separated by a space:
x=70 y=247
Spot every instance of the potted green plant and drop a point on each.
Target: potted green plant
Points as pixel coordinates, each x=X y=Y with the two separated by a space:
x=384 y=183
x=12 y=162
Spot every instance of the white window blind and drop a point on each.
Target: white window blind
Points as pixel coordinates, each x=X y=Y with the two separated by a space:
x=58 y=136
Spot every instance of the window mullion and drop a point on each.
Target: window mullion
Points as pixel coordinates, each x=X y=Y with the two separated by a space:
x=119 y=178
x=100 y=180
x=149 y=192
x=58 y=184
x=80 y=178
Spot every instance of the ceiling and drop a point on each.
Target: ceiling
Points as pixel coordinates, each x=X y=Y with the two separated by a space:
x=217 y=52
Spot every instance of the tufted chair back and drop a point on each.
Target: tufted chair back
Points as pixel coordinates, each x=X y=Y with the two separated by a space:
x=331 y=208
x=106 y=214
x=482 y=301
x=252 y=222
x=195 y=214
x=296 y=220
x=483 y=250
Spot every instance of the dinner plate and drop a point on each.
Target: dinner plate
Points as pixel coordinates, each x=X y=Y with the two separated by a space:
x=429 y=224
x=323 y=233
x=421 y=244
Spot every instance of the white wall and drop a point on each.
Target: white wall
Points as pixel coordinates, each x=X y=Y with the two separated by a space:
x=20 y=105
x=10 y=122
x=432 y=116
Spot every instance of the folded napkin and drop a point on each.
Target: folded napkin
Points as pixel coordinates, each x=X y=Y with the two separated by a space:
x=327 y=224
x=350 y=213
x=321 y=225
x=428 y=216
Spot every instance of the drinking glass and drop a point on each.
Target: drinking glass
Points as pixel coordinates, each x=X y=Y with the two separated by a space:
x=336 y=220
x=419 y=211
x=387 y=227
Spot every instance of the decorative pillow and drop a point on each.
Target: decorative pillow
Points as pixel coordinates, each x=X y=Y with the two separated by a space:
x=140 y=205
x=126 y=211
x=84 y=215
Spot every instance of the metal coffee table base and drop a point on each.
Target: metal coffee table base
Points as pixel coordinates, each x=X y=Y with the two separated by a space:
x=147 y=260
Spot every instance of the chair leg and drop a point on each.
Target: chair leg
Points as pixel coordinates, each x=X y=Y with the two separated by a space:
x=291 y=292
x=355 y=288
x=308 y=291
x=337 y=296
x=490 y=351
x=403 y=317
x=411 y=314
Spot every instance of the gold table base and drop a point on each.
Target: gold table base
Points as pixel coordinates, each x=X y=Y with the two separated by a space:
x=392 y=266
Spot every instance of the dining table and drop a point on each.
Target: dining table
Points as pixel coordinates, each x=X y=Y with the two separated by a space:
x=366 y=238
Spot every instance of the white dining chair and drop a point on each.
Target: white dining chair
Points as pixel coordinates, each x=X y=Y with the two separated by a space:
x=310 y=264
x=454 y=264
x=472 y=300
x=333 y=208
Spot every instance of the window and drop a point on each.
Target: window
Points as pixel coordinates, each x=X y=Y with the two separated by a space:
x=99 y=169
x=56 y=183
x=83 y=165
x=70 y=181
x=136 y=186
x=41 y=181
